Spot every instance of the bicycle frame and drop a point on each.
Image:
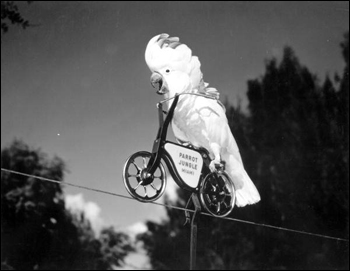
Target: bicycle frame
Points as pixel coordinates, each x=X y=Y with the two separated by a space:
x=186 y=165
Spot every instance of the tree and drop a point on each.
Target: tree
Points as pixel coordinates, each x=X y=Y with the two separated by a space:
x=294 y=146
x=10 y=13
x=37 y=232
x=344 y=93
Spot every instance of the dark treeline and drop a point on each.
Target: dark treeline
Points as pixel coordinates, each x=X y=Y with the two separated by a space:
x=37 y=231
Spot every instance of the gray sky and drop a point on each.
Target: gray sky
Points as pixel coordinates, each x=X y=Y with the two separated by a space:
x=77 y=84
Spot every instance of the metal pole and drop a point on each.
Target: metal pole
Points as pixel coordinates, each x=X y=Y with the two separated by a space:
x=193 y=246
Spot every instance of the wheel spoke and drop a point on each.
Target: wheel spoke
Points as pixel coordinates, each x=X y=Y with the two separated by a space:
x=136 y=166
x=133 y=175
x=146 y=196
x=210 y=187
x=208 y=198
x=218 y=207
x=154 y=187
x=137 y=186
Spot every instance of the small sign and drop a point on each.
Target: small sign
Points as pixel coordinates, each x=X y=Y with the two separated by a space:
x=188 y=163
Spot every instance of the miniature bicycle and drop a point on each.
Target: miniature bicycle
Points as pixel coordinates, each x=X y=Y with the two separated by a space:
x=145 y=177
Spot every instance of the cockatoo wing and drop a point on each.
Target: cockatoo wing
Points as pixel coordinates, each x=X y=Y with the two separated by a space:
x=203 y=122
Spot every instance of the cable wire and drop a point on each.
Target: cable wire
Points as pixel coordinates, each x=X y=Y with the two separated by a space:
x=176 y=207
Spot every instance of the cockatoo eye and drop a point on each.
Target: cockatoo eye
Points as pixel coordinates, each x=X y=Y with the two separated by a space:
x=167 y=70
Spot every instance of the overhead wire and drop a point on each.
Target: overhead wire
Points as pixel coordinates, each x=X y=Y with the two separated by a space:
x=176 y=207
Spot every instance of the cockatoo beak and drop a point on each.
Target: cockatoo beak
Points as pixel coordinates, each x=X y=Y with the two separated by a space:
x=158 y=83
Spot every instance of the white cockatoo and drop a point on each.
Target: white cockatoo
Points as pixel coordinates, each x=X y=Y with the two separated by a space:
x=198 y=120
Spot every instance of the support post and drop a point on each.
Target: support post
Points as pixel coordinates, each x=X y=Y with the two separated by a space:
x=193 y=246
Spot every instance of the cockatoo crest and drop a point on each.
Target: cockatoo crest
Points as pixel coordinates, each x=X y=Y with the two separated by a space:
x=164 y=51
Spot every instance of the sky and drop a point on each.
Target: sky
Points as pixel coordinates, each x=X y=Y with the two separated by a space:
x=76 y=84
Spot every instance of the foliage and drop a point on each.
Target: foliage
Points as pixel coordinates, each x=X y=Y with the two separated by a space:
x=10 y=13
x=294 y=144
x=37 y=232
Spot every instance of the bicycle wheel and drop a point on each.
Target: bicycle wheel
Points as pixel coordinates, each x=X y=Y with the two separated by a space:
x=141 y=185
x=217 y=194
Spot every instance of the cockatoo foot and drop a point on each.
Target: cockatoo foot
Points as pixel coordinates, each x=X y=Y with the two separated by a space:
x=215 y=165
